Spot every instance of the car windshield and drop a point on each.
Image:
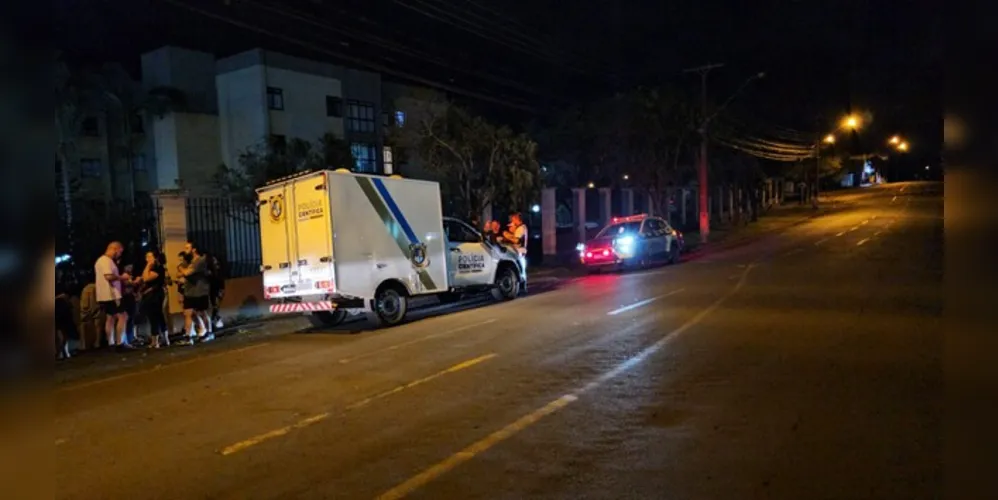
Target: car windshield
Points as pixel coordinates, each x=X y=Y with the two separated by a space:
x=619 y=229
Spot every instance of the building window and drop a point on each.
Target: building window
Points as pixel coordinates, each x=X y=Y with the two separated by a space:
x=90 y=127
x=364 y=157
x=400 y=118
x=275 y=98
x=139 y=163
x=386 y=153
x=360 y=116
x=334 y=106
x=90 y=167
x=278 y=143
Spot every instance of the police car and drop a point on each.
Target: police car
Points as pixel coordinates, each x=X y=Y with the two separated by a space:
x=638 y=240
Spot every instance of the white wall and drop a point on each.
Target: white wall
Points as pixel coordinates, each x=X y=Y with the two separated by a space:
x=186 y=147
x=246 y=121
x=242 y=110
x=199 y=147
x=304 y=114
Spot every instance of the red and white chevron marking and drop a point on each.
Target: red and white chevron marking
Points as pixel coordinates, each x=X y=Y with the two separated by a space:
x=293 y=307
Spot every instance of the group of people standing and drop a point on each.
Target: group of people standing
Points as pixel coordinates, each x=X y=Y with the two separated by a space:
x=515 y=235
x=124 y=296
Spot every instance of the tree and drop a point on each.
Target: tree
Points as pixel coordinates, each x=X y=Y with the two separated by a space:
x=645 y=137
x=128 y=106
x=70 y=109
x=272 y=160
x=477 y=163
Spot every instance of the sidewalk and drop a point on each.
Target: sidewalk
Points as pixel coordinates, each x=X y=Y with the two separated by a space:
x=245 y=325
x=103 y=362
x=775 y=220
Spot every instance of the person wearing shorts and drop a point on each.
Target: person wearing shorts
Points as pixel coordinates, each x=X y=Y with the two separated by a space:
x=108 y=285
x=197 y=290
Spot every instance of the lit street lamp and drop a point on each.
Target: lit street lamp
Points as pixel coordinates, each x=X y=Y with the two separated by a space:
x=829 y=139
x=903 y=146
x=895 y=140
x=851 y=122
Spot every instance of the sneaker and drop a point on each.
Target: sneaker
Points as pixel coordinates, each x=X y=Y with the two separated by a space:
x=207 y=337
x=186 y=341
x=219 y=324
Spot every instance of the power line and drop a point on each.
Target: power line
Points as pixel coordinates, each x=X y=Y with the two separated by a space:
x=512 y=24
x=360 y=62
x=392 y=46
x=483 y=32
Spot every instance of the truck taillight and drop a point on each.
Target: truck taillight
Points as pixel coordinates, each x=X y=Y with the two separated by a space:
x=273 y=289
x=324 y=285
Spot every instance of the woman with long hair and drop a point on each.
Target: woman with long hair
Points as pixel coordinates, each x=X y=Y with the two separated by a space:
x=151 y=301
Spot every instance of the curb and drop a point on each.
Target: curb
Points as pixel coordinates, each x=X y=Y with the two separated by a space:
x=745 y=240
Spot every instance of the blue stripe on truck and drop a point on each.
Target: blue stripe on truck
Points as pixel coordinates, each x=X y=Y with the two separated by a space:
x=406 y=228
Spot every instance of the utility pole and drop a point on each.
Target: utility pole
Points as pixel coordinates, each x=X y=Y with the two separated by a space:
x=817 y=168
x=702 y=160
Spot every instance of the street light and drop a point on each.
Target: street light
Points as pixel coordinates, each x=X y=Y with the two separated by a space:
x=591 y=185
x=895 y=140
x=626 y=177
x=851 y=122
x=903 y=146
x=829 y=139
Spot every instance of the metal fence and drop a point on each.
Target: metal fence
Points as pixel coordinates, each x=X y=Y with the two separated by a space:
x=87 y=226
x=230 y=231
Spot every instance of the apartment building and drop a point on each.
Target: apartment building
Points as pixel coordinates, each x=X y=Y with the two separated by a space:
x=233 y=104
x=264 y=94
x=230 y=105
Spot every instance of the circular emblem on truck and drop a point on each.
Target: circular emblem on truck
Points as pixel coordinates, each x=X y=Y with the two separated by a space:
x=276 y=209
x=417 y=252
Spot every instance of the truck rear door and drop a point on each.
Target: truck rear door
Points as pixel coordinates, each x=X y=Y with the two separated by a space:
x=312 y=268
x=276 y=239
x=296 y=243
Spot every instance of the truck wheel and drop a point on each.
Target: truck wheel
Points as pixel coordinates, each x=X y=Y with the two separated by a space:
x=327 y=318
x=507 y=284
x=390 y=305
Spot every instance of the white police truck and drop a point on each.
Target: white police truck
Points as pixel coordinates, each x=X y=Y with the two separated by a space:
x=336 y=242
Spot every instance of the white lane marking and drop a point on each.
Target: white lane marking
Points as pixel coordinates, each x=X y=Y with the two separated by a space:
x=853 y=228
x=864 y=240
x=867 y=221
x=840 y=234
x=641 y=303
x=894 y=199
x=816 y=243
x=877 y=233
x=475 y=449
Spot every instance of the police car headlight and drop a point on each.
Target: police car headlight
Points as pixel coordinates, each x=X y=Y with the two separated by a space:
x=624 y=242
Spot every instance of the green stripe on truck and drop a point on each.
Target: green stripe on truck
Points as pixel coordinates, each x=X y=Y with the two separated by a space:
x=393 y=227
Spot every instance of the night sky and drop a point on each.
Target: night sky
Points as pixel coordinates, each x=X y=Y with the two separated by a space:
x=521 y=58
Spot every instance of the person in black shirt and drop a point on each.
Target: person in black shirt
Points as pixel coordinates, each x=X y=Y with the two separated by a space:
x=151 y=300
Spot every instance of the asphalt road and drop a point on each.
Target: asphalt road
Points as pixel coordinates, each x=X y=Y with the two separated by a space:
x=804 y=365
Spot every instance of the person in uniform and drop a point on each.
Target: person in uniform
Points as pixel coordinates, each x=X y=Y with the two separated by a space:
x=516 y=237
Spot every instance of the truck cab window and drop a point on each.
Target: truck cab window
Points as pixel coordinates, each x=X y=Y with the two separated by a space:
x=458 y=232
